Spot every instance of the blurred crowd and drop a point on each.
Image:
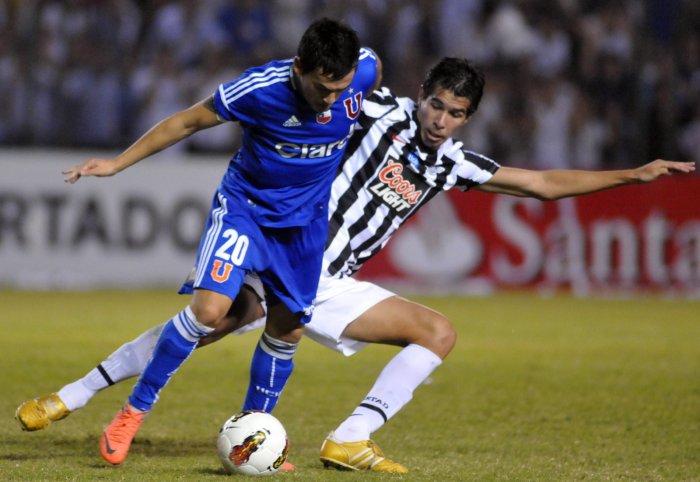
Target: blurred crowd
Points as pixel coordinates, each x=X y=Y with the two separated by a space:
x=587 y=84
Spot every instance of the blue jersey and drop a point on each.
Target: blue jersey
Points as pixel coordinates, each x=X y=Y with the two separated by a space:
x=290 y=153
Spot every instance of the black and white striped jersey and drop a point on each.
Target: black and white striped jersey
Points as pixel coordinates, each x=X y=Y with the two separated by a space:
x=386 y=176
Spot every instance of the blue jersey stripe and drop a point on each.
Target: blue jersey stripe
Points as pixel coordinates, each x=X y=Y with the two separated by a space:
x=228 y=99
x=364 y=53
x=212 y=235
x=257 y=77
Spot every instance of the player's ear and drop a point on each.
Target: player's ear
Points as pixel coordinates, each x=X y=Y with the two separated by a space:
x=420 y=93
x=468 y=115
x=296 y=66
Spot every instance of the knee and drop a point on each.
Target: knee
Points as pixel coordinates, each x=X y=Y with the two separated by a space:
x=210 y=315
x=440 y=336
x=289 y=335
x=283 y=324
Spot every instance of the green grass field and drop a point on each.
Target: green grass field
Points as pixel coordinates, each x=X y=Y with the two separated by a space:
x=536 y=389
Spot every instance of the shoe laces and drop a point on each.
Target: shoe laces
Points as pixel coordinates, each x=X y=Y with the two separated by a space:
x=380 y=458
x=375 y=448
x=125 y=425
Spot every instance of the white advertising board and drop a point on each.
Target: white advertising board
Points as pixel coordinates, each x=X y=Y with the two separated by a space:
x=138 y=228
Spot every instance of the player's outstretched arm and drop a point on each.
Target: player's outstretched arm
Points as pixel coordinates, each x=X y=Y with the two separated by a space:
x=559 y=183
x=164 y=134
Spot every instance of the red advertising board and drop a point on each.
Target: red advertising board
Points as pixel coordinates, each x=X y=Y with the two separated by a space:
x=641 y=237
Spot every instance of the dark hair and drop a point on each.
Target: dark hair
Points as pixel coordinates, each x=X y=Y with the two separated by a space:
x=458 y=76
x=329 y=45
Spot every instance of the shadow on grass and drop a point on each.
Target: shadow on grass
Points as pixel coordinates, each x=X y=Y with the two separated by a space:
x=27 y=448
x=220 y=471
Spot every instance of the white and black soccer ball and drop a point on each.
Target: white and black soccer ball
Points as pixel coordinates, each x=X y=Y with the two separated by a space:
x=252 y=443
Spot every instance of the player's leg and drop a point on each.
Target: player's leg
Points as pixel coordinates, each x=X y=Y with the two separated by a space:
x=427 y=337
x=175 y=344
x=273 y=360
x=291 y=284
x=125 y=362
x=232 y=245
x=177 y=341
x=128 y=361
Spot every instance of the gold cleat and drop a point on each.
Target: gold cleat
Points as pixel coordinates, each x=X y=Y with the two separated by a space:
x=363 y=455
x=38 y=413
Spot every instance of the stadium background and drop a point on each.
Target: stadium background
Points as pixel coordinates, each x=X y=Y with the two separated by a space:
x=589 y=84
x=554 y=387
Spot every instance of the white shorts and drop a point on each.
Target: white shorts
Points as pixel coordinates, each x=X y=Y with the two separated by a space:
x=338 y=303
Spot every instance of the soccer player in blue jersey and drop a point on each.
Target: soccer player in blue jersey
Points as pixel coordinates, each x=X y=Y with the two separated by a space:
x=269 y=213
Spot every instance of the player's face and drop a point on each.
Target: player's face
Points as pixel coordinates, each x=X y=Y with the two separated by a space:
x=319 y=90
x=439 y=115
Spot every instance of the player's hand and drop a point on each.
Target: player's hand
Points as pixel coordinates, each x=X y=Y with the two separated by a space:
x=91 y=167
x=659 y=167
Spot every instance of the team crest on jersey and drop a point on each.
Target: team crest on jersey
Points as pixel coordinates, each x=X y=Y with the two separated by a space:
x=413 y=160
x=324 y=117
x=352 y=109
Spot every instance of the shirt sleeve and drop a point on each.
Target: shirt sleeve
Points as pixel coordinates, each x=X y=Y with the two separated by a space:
x=379 y=103
x=474 y=169
x=367 y=70
x=235 y=100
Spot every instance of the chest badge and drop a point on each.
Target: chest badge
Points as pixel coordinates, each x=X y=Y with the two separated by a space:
x=324 y=117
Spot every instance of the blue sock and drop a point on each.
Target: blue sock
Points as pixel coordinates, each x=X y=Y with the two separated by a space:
x=270 y=369
x=175 y=344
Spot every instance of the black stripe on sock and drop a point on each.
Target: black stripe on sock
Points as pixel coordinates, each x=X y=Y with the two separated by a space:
x=103 y=372
x=378 y=410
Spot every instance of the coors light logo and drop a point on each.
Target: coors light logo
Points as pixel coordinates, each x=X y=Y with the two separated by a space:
x=394 y=189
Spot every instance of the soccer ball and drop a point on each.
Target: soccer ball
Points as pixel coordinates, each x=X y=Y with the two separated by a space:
x=252 y=443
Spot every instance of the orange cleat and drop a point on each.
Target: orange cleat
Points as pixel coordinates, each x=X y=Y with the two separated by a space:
x=287 y=467
x=117 y=436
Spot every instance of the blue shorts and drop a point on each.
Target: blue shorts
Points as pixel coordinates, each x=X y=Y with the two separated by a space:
x=288 y=260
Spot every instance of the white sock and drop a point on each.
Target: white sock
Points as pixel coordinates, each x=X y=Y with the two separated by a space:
x=126 y=362
x=392 y=390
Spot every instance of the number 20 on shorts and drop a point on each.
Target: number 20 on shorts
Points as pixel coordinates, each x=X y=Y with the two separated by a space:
x=231 y=253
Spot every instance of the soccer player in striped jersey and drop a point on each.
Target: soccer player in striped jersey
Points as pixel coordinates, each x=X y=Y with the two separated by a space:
x=269 y=213
x=400 y=156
